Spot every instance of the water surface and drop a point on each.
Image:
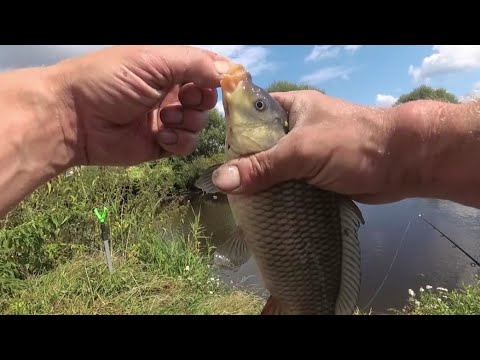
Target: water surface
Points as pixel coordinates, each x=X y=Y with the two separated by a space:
x=423 y=256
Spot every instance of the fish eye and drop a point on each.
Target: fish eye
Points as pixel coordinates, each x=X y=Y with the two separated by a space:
x=260 y=105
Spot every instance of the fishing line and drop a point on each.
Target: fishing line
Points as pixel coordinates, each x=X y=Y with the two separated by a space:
x=391 y=265
x=455 y=245
x=475 y=262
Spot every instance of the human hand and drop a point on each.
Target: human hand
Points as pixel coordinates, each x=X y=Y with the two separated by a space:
x=333 y=144
x=130 y=104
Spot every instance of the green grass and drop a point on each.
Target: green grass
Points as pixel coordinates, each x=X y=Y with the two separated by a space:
x=441 y=301
x=162 y=272
x=155 y=278
x=51 y=254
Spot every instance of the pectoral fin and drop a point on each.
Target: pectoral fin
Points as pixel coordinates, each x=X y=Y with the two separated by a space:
x=233 y=252
x=204 y=181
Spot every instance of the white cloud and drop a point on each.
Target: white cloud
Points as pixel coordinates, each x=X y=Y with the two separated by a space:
x=473 y=95
x=447 y=59
x=385 y=100
x=254 y=58
x=226 y=50
x=17 y=56
x=352 y=48
x=320 y=52
x=327 y=74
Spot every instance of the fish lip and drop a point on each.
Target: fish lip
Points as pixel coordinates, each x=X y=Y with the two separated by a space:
x=229 y=85
x=236 y=76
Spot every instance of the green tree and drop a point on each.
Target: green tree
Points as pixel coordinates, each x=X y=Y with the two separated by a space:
x=283 y=86
x=425 y=92
x=212 y=138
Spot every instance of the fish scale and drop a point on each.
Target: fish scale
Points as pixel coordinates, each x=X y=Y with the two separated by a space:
x=302 y=266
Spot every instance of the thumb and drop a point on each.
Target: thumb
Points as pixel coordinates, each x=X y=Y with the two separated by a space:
x=260 y=171
x=185 y=64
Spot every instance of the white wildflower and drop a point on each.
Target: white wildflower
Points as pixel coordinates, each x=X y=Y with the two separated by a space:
x=417 y=303
x=212 y=279
x=411 y=292
x=211 y=292
x=441 y=289
x=428 y=287
x=189 y=278
x=187 y=268
x=422 y=289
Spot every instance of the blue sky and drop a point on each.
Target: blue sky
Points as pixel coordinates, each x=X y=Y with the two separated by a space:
x=365 y=74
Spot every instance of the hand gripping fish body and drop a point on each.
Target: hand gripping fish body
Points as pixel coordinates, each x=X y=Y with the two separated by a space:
x=303 y=239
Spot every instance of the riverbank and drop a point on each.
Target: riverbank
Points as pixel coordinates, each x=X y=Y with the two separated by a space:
x=84 y=286
x=52 y=259
x=441 y=301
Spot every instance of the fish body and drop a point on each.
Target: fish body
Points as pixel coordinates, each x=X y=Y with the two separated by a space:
x=303 y=239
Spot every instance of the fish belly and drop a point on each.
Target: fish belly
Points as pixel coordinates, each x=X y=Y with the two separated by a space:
x=294 y=232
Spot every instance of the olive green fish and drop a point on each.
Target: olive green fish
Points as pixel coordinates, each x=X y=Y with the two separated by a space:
x=304 y=240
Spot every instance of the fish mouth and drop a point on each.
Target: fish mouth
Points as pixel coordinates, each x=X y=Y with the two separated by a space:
x=232 y=79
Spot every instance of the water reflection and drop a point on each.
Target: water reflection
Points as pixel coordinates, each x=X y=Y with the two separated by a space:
x=424 y=257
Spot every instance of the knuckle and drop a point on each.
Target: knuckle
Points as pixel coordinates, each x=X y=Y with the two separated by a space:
x=260 y=169
x=300 y=150
x=195 y=121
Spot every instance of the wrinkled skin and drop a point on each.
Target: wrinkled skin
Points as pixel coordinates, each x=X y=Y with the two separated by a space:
x=332 y=144
x=131 y=104
x=374 y=155
x=122 y=105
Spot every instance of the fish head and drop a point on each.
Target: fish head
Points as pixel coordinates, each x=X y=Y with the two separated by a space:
x=255 y=121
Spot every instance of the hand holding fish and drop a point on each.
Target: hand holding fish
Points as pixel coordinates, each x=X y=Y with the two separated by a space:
x=304 y=239
x=374 y=155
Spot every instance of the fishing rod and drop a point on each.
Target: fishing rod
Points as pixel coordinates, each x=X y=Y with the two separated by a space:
x=475 y=262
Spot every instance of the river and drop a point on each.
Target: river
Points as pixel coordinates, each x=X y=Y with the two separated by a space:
x=422 y=256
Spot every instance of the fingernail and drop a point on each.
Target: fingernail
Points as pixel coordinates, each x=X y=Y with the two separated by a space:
x=222 y=66
x=226 y=178
x=173 y=117
x=167 y=137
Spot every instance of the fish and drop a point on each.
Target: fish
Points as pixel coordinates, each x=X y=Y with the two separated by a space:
x=303 y=239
